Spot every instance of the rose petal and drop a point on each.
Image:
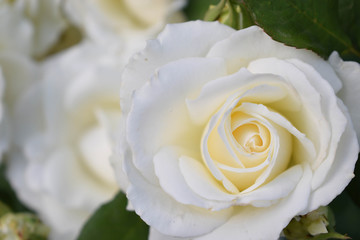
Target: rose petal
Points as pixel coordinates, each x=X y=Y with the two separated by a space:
x=349 y=73
x=310 y=120
x=256 y=44
x=257 y=223
x=95 y=148
x=214 y=93
x=173 y=82
x=166 y=163
x=273 y=191
x=341 y=171
x=79 y=189
x=172 y=44
x=167 y=216
x=156 y=235
x=336 y=119
x=200 y=180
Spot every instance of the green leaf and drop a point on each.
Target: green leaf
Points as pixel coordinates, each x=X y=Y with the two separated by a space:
x=112 y=222
x=246 y=19
x=307 y=24
x=349 y=15
x=330 y=235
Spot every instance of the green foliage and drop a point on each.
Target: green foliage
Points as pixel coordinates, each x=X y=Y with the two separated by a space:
x=347 y=215
x=321 y=25
x=112 y=222
x=316 y=225
x=353 y=188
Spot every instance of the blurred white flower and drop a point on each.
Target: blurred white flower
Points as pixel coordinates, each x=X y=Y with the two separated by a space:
x=131 y=21
x=63 y=126
x=30 y=27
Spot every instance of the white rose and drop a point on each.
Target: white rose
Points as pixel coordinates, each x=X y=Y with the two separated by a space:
x=231 y=134
x=30 y=26
x=63 y=131
x=128 y=20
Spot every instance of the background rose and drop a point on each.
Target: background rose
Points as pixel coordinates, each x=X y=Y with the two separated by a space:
x=107 y=21
x=193 y=177
x=63 y=124
x=30 y=27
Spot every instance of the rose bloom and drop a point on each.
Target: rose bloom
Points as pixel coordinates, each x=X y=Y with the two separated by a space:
x=63 y=138
x=229 y=134
x=30 y=27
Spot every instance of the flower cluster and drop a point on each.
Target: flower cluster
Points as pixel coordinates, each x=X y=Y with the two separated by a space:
x=212 y=132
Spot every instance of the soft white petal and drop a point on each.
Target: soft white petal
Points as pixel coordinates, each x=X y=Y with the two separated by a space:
x=337 y=122
x=166 y=215
x=273 y=191
x=156 y=235
x=16 y=31
x=310 y=120
x=79 y=189
x=258 y=223
x=20 y=73
x=168 y=170
x=253 y=109
x=200 y=180
x=175 y=42
x=95 y=149
x=95 y=87
x=214 y=93
x=168 y=121
x=253 y=43
x=341 y=171
x=28 y=115
x=349 y=73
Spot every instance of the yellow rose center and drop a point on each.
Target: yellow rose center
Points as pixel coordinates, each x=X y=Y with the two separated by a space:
x=245 y=147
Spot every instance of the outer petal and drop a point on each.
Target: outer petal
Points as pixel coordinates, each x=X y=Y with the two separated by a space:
x=337 y=122
x=341 y=171
x=175 y=42
x=256 y=44
x=162 y=212
x=155 y=235
x=258 y=223
x=349 y=73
